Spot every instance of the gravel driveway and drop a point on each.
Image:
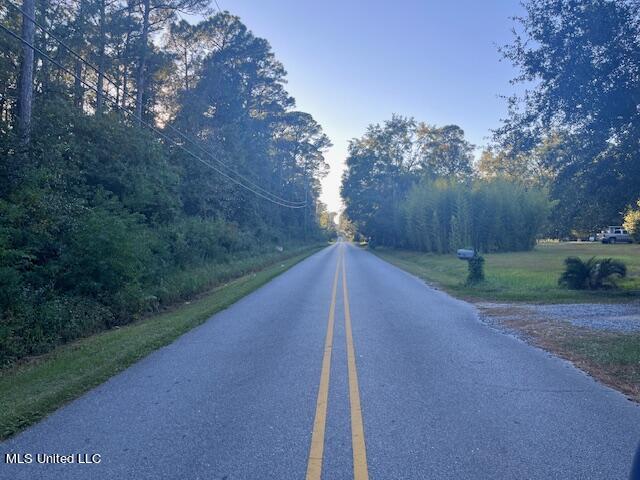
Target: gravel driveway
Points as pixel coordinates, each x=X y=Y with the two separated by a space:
x=622 y=318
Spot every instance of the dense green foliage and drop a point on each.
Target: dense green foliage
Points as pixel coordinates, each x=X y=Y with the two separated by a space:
x=406 y=187
x=490 y=216
x=577 y=128
x=103 y=220
x=593 y=274
x=32 y=390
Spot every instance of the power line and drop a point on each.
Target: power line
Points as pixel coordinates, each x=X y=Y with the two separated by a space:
x=131 y=96
x=146 y=124
x=111 y=81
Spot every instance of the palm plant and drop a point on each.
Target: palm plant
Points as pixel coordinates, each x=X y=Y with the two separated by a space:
x=576 y=273
x=593 y=274
x=604 y=271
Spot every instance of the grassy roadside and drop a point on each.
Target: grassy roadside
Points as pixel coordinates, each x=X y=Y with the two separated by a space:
x=522 y=276
x=531 y=277
x=612 y=358
x=32 y=389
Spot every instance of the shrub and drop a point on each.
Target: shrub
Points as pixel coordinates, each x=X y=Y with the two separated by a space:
x=604 y=272
x=106 y=258
x=35 y=325
x=632 y=223
x=593 y=274
x=476 y=270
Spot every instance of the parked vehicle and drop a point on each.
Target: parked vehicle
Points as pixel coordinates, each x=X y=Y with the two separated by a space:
x=615 y=234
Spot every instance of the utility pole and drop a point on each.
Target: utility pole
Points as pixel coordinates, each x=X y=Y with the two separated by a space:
x=25 y=89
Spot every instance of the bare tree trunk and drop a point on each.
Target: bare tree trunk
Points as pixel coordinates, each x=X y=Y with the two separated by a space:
x=3 y=109
x=306 y=199
x=186 y=69
x=45 y=71
x=125 y=86
x=101 y=50
x=118 y=84
x=25 y=89
x=140 y=80
x=78 y=90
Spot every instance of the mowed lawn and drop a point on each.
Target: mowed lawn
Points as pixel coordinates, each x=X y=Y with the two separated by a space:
x=523 y=276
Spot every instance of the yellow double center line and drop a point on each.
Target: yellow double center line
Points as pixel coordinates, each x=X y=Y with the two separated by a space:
x=314 y=466
x=360 y=471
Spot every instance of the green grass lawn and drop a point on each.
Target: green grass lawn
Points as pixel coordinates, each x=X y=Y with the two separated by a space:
x=34 y=388
x=523 y=276
x=616 y=356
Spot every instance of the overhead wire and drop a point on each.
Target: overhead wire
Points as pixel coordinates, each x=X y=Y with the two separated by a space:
x=264 y=192
x=142 y=122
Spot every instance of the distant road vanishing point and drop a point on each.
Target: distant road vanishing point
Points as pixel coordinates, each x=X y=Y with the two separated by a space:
x=342 y=367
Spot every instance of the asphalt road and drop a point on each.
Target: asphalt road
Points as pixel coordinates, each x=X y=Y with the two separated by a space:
x=407 y=385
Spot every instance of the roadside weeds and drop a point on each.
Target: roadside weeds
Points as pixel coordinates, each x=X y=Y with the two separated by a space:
x=37 y=386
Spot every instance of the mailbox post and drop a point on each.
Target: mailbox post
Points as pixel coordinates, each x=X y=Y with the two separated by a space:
x=476 y=264
x=466 y=254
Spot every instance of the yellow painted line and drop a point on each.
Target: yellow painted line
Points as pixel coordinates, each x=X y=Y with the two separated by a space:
x=314 y=466
x=360 y=470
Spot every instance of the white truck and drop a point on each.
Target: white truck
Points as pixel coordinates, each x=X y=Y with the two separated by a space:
x=615 y=234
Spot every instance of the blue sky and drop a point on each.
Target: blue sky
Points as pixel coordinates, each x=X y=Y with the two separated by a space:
x=351 y=63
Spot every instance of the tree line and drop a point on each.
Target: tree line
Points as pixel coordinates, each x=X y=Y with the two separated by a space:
x=144 y=160
x=573 y=137
x=576 y=128
x=413 y=185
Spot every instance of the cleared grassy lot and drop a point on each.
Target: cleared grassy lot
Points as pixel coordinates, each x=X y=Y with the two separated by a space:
x=532 y=277
x=34 y=388
x=523 y=276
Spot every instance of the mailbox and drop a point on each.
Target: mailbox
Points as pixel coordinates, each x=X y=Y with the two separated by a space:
x=465 y=254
